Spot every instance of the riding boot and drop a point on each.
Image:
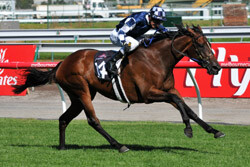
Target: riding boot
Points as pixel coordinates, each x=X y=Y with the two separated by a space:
x=110 y=65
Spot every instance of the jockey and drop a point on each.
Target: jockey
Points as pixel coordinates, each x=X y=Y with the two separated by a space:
x=130 y=30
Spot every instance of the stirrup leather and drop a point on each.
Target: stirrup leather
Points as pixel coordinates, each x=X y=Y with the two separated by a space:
x=111 y=64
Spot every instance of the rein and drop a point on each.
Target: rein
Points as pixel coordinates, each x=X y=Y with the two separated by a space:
x=150 y=40
x=172 y=45
x=184 y=54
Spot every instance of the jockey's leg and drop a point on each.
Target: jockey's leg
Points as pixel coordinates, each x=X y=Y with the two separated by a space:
x=131 y=44
x=110 y=65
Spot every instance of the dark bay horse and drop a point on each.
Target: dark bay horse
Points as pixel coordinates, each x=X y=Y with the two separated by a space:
x=147 y=77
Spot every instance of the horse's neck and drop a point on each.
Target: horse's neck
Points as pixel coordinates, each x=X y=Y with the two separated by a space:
x=162 y=52
x=180 y=44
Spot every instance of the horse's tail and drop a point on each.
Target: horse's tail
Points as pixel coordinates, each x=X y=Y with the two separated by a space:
x=36 y=77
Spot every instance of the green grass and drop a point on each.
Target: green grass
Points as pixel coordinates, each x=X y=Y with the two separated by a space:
x=75 y=25
x=110 y=24
x=25 y=142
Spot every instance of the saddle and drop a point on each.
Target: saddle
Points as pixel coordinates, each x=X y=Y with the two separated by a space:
x=100 y=60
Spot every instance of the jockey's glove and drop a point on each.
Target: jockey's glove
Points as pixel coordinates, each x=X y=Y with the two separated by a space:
x=162 y=29
x=145 y=42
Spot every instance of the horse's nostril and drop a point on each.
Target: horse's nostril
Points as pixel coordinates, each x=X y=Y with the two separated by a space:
x=217 y=67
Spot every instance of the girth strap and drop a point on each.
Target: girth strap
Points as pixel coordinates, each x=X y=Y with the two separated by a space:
x=118 y=88
x=119 y=91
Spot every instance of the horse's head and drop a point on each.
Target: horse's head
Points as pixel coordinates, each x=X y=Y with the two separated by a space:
x=200 y=50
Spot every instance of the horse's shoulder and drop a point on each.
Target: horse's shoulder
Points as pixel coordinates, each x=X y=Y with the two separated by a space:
x=86 y=51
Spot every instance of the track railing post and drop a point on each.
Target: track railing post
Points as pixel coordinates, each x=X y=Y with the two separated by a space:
x=62 y=98
x=197 y=92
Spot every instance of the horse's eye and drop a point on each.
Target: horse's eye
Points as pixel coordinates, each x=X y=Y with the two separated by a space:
x=202 y=46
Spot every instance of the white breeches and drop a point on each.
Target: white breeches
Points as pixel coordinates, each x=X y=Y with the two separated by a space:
x=116 y=41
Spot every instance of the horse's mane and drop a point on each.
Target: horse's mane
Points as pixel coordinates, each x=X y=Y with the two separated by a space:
x=175 y=34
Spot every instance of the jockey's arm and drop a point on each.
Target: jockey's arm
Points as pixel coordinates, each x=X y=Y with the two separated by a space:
x=162 y=29
x=130 y=24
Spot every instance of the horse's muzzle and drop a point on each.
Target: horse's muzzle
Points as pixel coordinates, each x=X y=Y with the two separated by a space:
x=213 y=68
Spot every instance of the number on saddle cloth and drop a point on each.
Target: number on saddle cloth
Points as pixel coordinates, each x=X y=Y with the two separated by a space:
x=100 y=61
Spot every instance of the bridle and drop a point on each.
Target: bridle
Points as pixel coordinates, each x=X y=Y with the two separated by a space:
x=203 y=60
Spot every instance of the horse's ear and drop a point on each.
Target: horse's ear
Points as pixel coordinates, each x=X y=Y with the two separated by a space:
x=190 y=30
x=187 y=27
x=199 y=27
x=194 y=26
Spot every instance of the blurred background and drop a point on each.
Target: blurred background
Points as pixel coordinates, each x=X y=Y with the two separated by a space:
x=54 y=13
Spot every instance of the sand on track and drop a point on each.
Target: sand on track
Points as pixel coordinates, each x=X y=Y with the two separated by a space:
x=45 y=103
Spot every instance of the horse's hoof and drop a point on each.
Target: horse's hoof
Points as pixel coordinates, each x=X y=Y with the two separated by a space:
x=219 y=135
x=61 y=148
x=123 y=149
x=188 y=132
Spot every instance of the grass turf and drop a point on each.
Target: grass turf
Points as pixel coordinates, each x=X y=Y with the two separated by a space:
x=107 y=24
x=27 y=142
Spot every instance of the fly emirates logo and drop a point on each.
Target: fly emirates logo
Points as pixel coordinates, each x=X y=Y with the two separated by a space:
x=5 y=79
x=234 y=74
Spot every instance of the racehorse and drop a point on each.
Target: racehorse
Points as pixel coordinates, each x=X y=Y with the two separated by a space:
x=147 y=77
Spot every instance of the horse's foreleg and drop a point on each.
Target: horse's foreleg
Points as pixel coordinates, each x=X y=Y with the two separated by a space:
x=203 y=124
x=156 y=95
x=94 y=122
x=73 y=111
x=177 y=102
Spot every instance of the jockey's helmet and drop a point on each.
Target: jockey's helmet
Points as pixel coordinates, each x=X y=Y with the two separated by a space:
x=157 y=13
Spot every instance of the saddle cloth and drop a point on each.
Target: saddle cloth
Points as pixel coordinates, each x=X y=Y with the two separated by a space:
x=100 y=60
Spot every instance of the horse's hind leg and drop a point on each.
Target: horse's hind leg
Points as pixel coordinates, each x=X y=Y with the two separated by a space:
x=175 y=99
x=95 y=123
x=204 y=125
x=73 y=111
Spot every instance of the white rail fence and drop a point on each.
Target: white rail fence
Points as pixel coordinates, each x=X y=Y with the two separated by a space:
x=103 y=34
x=54 y=16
